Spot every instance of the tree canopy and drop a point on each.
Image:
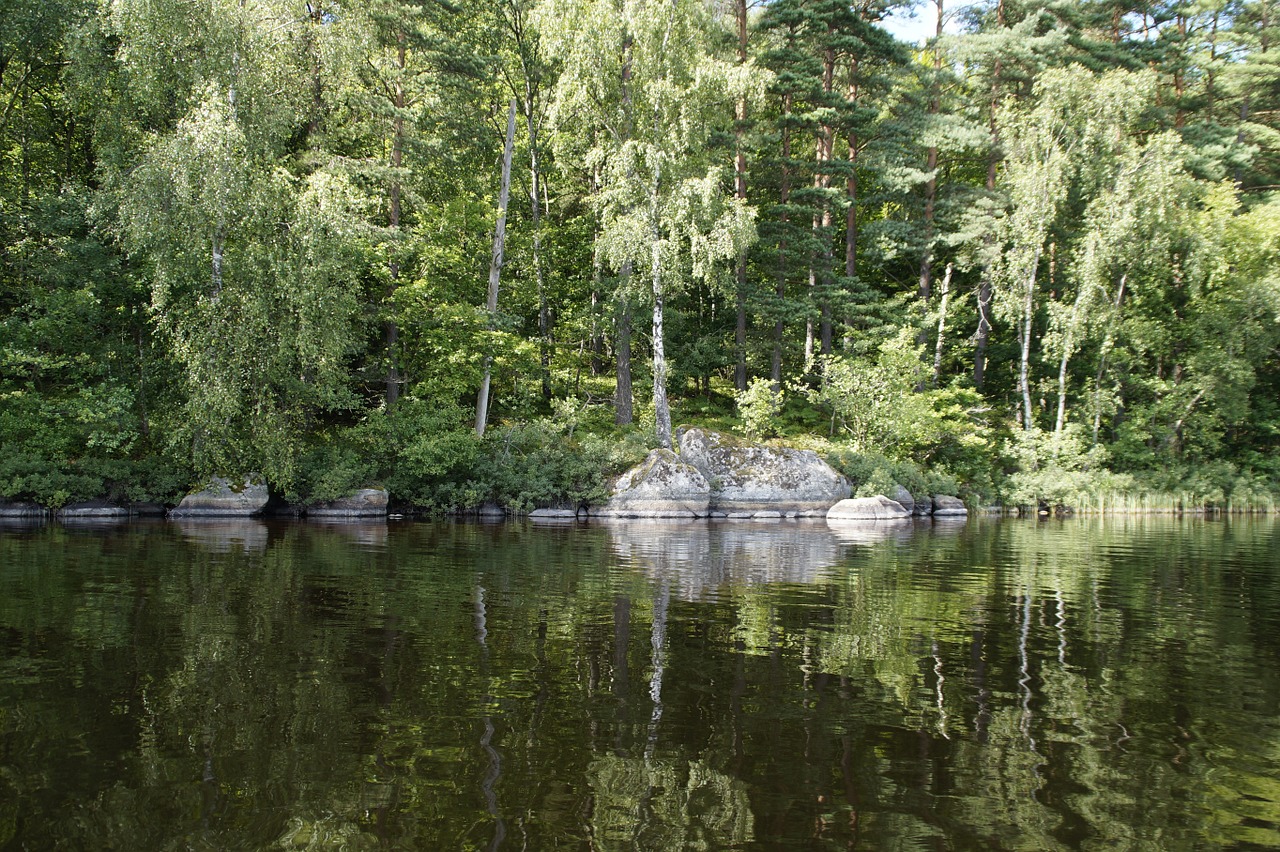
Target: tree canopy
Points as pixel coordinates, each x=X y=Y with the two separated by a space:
x=1036 y=253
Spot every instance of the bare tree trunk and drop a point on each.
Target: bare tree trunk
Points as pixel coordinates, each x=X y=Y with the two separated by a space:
x=925 y=285
x=1068 y=343
x=942 y=326
x=740 y=190
x=623 y=406
x=661 y=406
x=826 y=146
x=1107 y=343
x=219 y=240
x=535 y=206
x=780 y=289
x=982 y=336
x=623 y=409
x=1024 y=369
x=495 y=263
x=391 y=331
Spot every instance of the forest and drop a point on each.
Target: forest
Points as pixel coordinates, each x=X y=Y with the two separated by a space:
x=492 y=251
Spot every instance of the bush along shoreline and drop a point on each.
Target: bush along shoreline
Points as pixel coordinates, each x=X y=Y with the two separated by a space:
x=407 y=466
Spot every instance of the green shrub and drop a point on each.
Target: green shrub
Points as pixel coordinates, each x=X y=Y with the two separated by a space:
x=759 y=406
x=871 y=473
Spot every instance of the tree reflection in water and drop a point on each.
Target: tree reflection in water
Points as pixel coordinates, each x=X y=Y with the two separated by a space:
x=1052 y=685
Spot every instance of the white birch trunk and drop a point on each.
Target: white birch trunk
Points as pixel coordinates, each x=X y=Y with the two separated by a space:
x=1028 y=311
x=942 y=325
x=495 y=263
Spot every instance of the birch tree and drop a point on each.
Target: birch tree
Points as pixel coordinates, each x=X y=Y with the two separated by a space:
x=1057 y=151
x=662 y=205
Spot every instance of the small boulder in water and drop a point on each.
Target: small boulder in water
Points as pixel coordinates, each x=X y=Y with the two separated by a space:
x=877 y=508
x=222 y=498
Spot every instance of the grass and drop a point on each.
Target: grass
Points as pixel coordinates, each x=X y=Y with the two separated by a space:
x=1166 y=502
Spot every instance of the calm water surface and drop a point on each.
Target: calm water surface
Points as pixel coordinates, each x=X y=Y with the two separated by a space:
x=995 y=685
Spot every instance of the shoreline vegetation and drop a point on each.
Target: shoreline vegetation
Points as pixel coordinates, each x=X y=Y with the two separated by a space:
x=553 y=474
x=486 y=255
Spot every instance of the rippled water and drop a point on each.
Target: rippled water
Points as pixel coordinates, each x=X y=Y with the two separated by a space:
x=993 y=685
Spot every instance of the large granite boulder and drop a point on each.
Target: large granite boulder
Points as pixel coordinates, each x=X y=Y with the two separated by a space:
x=877 y=508
x=223 y=498
x=365 y=503
x=948 y=507
x=752 y=478
x=662 y=486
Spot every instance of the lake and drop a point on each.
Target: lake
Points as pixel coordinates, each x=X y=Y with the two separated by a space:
x=999 y=684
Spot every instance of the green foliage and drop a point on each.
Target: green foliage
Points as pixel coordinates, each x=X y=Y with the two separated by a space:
x=51 y=481
x=1054 y=468
x=871 y=473
x=544 y=464
x=759 y=406
x=225 y=228
x=877 y=401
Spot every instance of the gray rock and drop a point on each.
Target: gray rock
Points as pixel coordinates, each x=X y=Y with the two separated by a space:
x=877 y=508
x=903 y=498
x=92 y=509
x=948 y=507
x=747 y=477
x=221 y=499
x=553 y=514
x=21 y=510
x=662 y=486
x=365 y=503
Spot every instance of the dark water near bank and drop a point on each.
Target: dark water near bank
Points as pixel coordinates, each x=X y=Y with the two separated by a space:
x=998 y=685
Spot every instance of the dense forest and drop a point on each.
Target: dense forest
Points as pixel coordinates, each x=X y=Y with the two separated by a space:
x=492 y=251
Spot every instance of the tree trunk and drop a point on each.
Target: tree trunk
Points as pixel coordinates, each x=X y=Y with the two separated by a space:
x=1024 y=369
x=392 y=332
x=622 y=399
x=495 y=262
x=780 y=288
x=942 y=326
x=740 y=190
x=924 y=285
x=219 y=240
x=982 y=336
x=1068 y=342
x=661 y=407
x=1107 y=343
x=826 y=145
x=622 y=402
x=535 y=206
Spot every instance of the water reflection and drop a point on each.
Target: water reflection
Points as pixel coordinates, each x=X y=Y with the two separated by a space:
x=996 y=685
x=698 y=559
x=361 y=532
x=873 y=532
x=217 y=535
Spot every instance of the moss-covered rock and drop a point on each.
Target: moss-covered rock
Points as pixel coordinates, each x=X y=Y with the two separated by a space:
x=221 y=497
x=749 y=477
x=661 y=486
x=878 y=508
x=364 y=503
